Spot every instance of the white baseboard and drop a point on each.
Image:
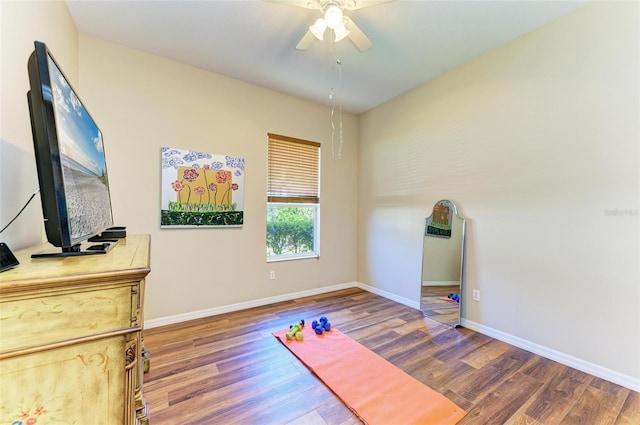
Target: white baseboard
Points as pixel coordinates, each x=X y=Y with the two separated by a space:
x=389 y=295
x=562 y=358
x=169 y=320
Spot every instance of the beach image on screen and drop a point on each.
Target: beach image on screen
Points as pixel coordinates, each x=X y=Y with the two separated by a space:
x=82 y=158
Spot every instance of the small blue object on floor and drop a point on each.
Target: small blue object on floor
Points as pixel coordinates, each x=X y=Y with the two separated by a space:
x=319 y=326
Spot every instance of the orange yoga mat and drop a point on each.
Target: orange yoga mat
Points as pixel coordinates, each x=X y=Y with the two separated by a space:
x=378 y=392
x=449 y=300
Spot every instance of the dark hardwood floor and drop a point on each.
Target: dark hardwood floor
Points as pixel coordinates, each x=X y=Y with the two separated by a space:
x=229 y=369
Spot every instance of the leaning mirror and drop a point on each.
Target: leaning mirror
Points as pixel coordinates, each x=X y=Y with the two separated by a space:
x=443 y=264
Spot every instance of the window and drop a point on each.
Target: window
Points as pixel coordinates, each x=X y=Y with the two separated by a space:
x=293 y=198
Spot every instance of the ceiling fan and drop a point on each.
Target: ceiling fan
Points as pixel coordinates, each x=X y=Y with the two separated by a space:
x=334 y=19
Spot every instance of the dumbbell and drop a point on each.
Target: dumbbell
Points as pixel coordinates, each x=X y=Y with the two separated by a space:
x=320 y=326
x=296 y=331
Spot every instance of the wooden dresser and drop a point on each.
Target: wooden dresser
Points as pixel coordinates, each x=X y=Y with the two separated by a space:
x=71 y=337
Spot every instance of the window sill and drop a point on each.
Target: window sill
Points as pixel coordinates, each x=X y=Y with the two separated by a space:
x=293 y=257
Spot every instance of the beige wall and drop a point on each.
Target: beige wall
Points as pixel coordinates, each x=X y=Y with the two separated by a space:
x=21 y=23
x=142 y=103
x=535 y=142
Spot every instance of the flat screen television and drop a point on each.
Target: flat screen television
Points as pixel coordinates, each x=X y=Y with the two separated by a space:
x=70 y=159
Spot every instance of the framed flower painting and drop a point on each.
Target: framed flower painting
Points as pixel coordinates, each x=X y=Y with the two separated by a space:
x=201 y=189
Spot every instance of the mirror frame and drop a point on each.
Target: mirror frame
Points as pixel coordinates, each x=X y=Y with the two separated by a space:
x=463 y=228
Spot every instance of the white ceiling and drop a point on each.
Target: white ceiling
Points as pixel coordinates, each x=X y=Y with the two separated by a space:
x=414 y=41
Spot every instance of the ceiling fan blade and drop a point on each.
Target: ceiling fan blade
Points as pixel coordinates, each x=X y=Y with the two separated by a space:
x=360 y=4
x=356 y=35
x=307 y=4
x=305 y=41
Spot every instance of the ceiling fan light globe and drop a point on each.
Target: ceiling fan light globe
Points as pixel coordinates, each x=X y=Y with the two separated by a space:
x=318 y=28
x=340 y=32
x=333 y=16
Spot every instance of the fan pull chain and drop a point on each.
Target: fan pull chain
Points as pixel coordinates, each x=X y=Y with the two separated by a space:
x=333 y=127
x=341 y=139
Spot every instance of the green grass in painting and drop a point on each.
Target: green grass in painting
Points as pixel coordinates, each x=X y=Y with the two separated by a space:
x=212 y=218
x=181 y=207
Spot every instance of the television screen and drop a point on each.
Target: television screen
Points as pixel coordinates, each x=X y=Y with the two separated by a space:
x=70 y=158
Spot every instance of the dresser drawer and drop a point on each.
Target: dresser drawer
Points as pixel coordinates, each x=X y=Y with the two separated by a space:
x=76 y=384
x=39 y=321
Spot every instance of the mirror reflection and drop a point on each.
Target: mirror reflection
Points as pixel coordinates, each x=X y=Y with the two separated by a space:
x=442 y=264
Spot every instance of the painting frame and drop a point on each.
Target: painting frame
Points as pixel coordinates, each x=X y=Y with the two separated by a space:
x=200 y=189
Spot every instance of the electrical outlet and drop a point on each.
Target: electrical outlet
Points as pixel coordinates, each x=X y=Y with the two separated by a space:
x=476 y=295
x=272 y=274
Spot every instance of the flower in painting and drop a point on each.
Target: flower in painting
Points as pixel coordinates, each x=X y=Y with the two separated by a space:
x=234 y=186
x=223 y=176
x=177 y=185
x=206 y=168
x=200 y=191
x=213 y=188
x=217 y=165
x=190 y=175
x=238 y=173
x=31 y=421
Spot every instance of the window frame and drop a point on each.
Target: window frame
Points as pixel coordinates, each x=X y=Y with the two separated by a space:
x=285 y=200
x=315 y=252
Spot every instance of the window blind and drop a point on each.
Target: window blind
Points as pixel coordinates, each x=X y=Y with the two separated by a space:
x=293 y=171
